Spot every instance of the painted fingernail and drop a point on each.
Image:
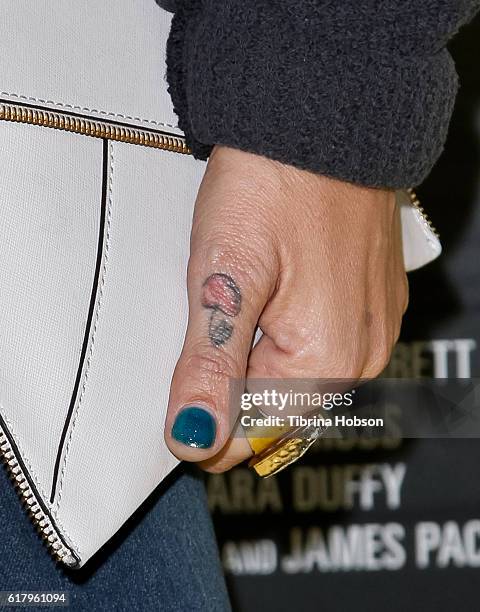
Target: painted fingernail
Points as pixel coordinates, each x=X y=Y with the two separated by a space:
x=194 y=427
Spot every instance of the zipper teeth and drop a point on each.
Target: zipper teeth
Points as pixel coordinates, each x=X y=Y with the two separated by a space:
x=38 y=517
x=98 y=129
x=92 y=127
x=103 y=129
x=416 y=203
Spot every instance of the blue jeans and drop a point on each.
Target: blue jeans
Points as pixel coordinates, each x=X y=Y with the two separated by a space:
x=164 y=559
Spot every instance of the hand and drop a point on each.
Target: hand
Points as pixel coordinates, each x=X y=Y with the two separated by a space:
x=315 y=262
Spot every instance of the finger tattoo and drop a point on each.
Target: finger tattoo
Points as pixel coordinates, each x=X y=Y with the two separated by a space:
x=221 y=295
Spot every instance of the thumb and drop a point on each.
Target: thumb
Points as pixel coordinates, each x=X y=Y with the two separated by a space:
x=226 y=298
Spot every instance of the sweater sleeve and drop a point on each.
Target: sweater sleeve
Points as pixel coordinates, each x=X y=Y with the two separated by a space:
x=360 y=90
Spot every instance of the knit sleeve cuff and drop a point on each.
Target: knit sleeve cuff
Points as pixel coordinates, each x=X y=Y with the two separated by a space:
x=350 y=106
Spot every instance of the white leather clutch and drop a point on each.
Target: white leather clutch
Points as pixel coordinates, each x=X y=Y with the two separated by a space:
x=96 y=195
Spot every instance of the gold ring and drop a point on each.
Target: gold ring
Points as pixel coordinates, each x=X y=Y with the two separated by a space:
x=278 y=446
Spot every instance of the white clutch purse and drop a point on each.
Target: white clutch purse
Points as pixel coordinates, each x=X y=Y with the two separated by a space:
x=96 y=198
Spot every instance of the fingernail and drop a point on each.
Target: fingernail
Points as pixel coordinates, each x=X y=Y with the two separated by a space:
x=194 y=427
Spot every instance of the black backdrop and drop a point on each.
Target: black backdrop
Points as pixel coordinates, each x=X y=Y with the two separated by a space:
x=386 y=525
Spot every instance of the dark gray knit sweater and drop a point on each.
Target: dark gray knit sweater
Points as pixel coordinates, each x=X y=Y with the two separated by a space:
x=361 y=90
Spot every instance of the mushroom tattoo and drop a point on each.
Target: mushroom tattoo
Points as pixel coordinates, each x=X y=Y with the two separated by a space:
x=221 y=295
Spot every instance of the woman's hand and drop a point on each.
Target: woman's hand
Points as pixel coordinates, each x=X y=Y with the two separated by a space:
x=314 y=262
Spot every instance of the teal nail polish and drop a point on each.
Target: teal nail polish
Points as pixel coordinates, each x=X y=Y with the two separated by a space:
x=194 y=427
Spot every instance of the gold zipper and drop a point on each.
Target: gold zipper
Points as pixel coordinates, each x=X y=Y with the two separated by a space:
x=93 y=127
x=32 y=501
x=132 y=135
x=36 y=510
x=416 y=203
x=9 y=454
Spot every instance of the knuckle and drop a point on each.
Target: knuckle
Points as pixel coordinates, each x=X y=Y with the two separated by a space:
x=316 y=357
x=296 y=341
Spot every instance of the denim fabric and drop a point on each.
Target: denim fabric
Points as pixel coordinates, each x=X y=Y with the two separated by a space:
x=164 y=559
